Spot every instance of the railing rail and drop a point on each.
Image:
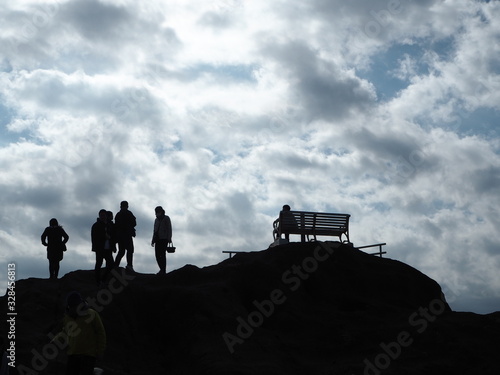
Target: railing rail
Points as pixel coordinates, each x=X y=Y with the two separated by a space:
x=379 y=253
x=232 y=252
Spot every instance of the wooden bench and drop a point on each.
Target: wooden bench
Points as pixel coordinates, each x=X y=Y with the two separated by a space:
x=311 y=224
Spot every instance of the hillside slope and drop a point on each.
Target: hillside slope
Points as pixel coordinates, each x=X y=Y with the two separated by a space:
x=314 y=308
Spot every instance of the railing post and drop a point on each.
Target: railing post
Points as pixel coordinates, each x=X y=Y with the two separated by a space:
x=302 y=226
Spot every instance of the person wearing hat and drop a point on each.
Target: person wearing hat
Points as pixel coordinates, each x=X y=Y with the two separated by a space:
x=84 y=334
x=162 y=236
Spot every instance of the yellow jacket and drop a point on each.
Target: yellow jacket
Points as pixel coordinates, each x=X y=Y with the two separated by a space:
x=84 y=334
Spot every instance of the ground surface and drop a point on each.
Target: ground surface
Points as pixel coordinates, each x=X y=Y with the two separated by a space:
x=315 y=308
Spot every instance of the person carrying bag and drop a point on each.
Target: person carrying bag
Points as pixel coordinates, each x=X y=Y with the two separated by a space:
x=162 y=239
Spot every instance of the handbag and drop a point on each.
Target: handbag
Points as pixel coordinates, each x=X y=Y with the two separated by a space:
x=170 y=247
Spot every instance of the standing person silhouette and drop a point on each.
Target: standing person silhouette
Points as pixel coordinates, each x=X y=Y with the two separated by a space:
x=101 y=246
x=162 y=235
x=55 y=238
x=111 y=231
x=125 y=223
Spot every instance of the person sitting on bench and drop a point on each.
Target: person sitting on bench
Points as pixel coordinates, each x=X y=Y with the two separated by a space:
x=287 y=221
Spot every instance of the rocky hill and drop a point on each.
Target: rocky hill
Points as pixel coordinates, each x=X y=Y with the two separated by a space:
x=314 y=308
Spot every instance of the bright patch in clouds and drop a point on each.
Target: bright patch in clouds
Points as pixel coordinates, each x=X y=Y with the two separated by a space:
x=222 y=112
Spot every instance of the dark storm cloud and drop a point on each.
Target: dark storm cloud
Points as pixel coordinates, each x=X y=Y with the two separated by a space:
x=96 y=20
x=42 y=197
x=95 y=177
x=487 y=180
x=327 y=92
x=386 y=146
x=362 y=8
x=227 y=210
x=80 y=95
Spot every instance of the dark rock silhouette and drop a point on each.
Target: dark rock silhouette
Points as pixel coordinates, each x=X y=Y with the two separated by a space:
x=312 y=308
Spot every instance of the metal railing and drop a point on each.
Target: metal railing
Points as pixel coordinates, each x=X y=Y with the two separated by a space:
x=380 y=252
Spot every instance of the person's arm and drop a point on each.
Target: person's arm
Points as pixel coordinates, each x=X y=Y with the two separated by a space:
x=44 y=238
x=97 y=236
x=133 y=220
x=153 y=239
x=169 y=229
x=65 y=236
x=92 y=236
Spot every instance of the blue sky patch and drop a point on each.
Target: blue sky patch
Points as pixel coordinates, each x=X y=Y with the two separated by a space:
x=381 y=72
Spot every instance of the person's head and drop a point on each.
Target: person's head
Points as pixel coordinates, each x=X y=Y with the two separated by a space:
x=109 y=216
x=124 y=205
x=75 y=304
x=103 y=214
x=286 y=207
x=53 y=222
x=159 y=211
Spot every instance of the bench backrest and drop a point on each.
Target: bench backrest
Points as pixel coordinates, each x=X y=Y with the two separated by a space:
x=314 y=223
x=304 y=219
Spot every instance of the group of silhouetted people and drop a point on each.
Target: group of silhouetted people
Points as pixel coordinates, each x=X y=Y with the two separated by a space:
x=106 y=237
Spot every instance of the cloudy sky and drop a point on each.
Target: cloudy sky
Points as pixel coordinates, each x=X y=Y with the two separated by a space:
x=222 y=111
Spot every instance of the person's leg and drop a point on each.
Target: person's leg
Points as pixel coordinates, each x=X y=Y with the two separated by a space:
x=161 y=259
x=108 y=256
x=51 y=269
x=130 y=259
x=56 y=269
x=130 y=253
x=121 y=253
x=99 y=257
x=157 y=255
